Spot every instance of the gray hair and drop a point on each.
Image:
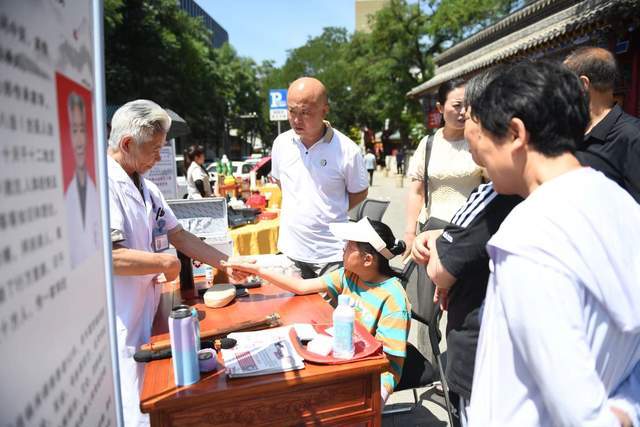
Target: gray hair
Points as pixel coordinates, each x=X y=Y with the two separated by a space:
x=75 y=101
x=140 y=119
x=477 y=84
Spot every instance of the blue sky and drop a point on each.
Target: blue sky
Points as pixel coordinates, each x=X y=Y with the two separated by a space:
x=266 y=29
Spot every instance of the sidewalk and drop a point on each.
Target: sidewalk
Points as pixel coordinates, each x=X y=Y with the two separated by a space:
x=428 y=414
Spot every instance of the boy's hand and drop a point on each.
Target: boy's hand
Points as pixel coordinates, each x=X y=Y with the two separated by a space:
x=239 y=268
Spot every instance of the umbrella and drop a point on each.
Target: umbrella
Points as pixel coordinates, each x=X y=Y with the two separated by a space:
x=263 y=167
x=178 y=127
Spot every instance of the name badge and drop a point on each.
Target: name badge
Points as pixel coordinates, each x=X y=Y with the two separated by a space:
x=160 y=237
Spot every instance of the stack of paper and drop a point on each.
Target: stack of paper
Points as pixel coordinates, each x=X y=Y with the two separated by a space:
x=261 y=352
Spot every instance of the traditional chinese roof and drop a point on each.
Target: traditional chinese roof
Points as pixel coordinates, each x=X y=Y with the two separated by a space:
x=519 y=33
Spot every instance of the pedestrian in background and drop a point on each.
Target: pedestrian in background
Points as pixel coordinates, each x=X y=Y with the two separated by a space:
x=322 y=176
x=370 y=164
x=198 y=185
x=400 y=161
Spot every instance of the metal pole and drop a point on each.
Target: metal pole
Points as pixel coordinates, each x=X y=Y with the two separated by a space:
x=101 y=120
x=278 y=127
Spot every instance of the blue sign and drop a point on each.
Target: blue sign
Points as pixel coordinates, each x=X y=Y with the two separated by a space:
x=277 y=99
x=277 y=104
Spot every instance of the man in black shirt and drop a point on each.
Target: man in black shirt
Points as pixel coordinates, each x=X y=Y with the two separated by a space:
x=612 y=141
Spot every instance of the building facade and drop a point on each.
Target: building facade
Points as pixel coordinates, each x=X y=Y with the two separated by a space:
x=219 y=35
x=364 y=8
x=548 y=29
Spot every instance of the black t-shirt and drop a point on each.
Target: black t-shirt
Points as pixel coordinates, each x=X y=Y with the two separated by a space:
x=462 y=251
x=613 y=147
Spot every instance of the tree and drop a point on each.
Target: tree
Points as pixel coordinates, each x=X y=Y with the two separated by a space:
x=154 y=50
x=398 y=53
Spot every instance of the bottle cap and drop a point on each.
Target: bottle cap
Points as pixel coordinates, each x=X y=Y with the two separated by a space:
x=180 y=312
x=343 y=299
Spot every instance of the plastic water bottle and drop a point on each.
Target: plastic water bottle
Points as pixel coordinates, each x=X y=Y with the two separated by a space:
x=343 y=318
x=186 y=370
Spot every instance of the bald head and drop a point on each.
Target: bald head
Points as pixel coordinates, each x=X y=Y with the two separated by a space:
x=309 y=89
x=307 y=106
x=597 y=64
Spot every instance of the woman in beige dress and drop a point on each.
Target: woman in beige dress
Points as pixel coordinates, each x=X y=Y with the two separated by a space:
x=452 y=173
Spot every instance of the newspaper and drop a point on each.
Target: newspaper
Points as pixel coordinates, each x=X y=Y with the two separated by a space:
x=261 y=352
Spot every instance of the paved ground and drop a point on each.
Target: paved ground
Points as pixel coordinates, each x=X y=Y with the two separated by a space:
x=430 y=412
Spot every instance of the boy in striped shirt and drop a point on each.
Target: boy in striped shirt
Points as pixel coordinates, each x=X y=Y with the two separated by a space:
x=378 y=298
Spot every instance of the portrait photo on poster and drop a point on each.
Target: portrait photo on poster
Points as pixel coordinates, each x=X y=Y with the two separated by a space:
x=81 y=197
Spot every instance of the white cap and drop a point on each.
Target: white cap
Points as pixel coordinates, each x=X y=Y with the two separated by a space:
x=361 y=231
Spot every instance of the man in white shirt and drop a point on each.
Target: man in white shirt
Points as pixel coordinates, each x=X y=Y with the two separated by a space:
x=370 y=164
x=321 y=174
x=560 y=331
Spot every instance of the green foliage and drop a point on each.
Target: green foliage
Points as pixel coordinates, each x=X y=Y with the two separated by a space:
x=368 y=74
x=154 y=50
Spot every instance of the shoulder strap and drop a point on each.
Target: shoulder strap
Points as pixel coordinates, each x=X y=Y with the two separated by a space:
x=427 y=156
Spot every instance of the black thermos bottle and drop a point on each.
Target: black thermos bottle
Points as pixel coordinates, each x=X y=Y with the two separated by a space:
x=186 y=272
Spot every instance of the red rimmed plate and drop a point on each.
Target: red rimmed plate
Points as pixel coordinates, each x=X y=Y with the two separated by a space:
x=365 y=346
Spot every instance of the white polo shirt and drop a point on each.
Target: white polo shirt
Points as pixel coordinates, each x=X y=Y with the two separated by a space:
x=315 y=185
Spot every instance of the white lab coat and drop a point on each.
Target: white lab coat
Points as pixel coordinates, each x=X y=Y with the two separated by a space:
x=84 y=234
x=136 y=297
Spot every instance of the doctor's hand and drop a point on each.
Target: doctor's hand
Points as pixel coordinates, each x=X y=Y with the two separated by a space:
x=239 y=268
x=170 y=265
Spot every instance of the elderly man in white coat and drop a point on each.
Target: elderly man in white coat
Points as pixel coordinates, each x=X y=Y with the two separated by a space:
x=142 y=226
x=81 y=199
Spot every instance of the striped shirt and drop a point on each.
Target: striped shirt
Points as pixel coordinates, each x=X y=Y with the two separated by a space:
x=383 y=309
x=478 y=200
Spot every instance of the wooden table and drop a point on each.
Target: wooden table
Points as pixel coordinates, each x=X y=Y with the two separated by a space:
x=346 y=394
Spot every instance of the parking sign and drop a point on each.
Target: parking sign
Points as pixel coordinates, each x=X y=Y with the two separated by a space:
x=277 y=104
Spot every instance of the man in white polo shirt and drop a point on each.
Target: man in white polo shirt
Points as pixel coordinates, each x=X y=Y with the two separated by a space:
x=322 y=175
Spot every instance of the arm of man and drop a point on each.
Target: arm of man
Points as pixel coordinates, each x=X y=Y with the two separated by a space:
x=543 y=311
x=436 y=271
x=193 y=247
x=132 y=262
x=356 y=198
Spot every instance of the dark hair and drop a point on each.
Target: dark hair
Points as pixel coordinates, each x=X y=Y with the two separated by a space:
x=476 y=85
x=546 y=96
x=190 y=155
x=396 y=247
x=444 y=90
x=596 y=63
x=448 y=86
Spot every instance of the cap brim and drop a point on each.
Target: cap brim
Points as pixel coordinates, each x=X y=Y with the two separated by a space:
x=354 y=231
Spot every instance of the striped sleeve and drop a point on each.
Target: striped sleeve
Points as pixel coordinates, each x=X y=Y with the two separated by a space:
x=333 y=281
x=393 y=331
x=477 y=201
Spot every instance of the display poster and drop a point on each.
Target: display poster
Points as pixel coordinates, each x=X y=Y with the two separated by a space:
x=55 y=363
x=164 y=173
